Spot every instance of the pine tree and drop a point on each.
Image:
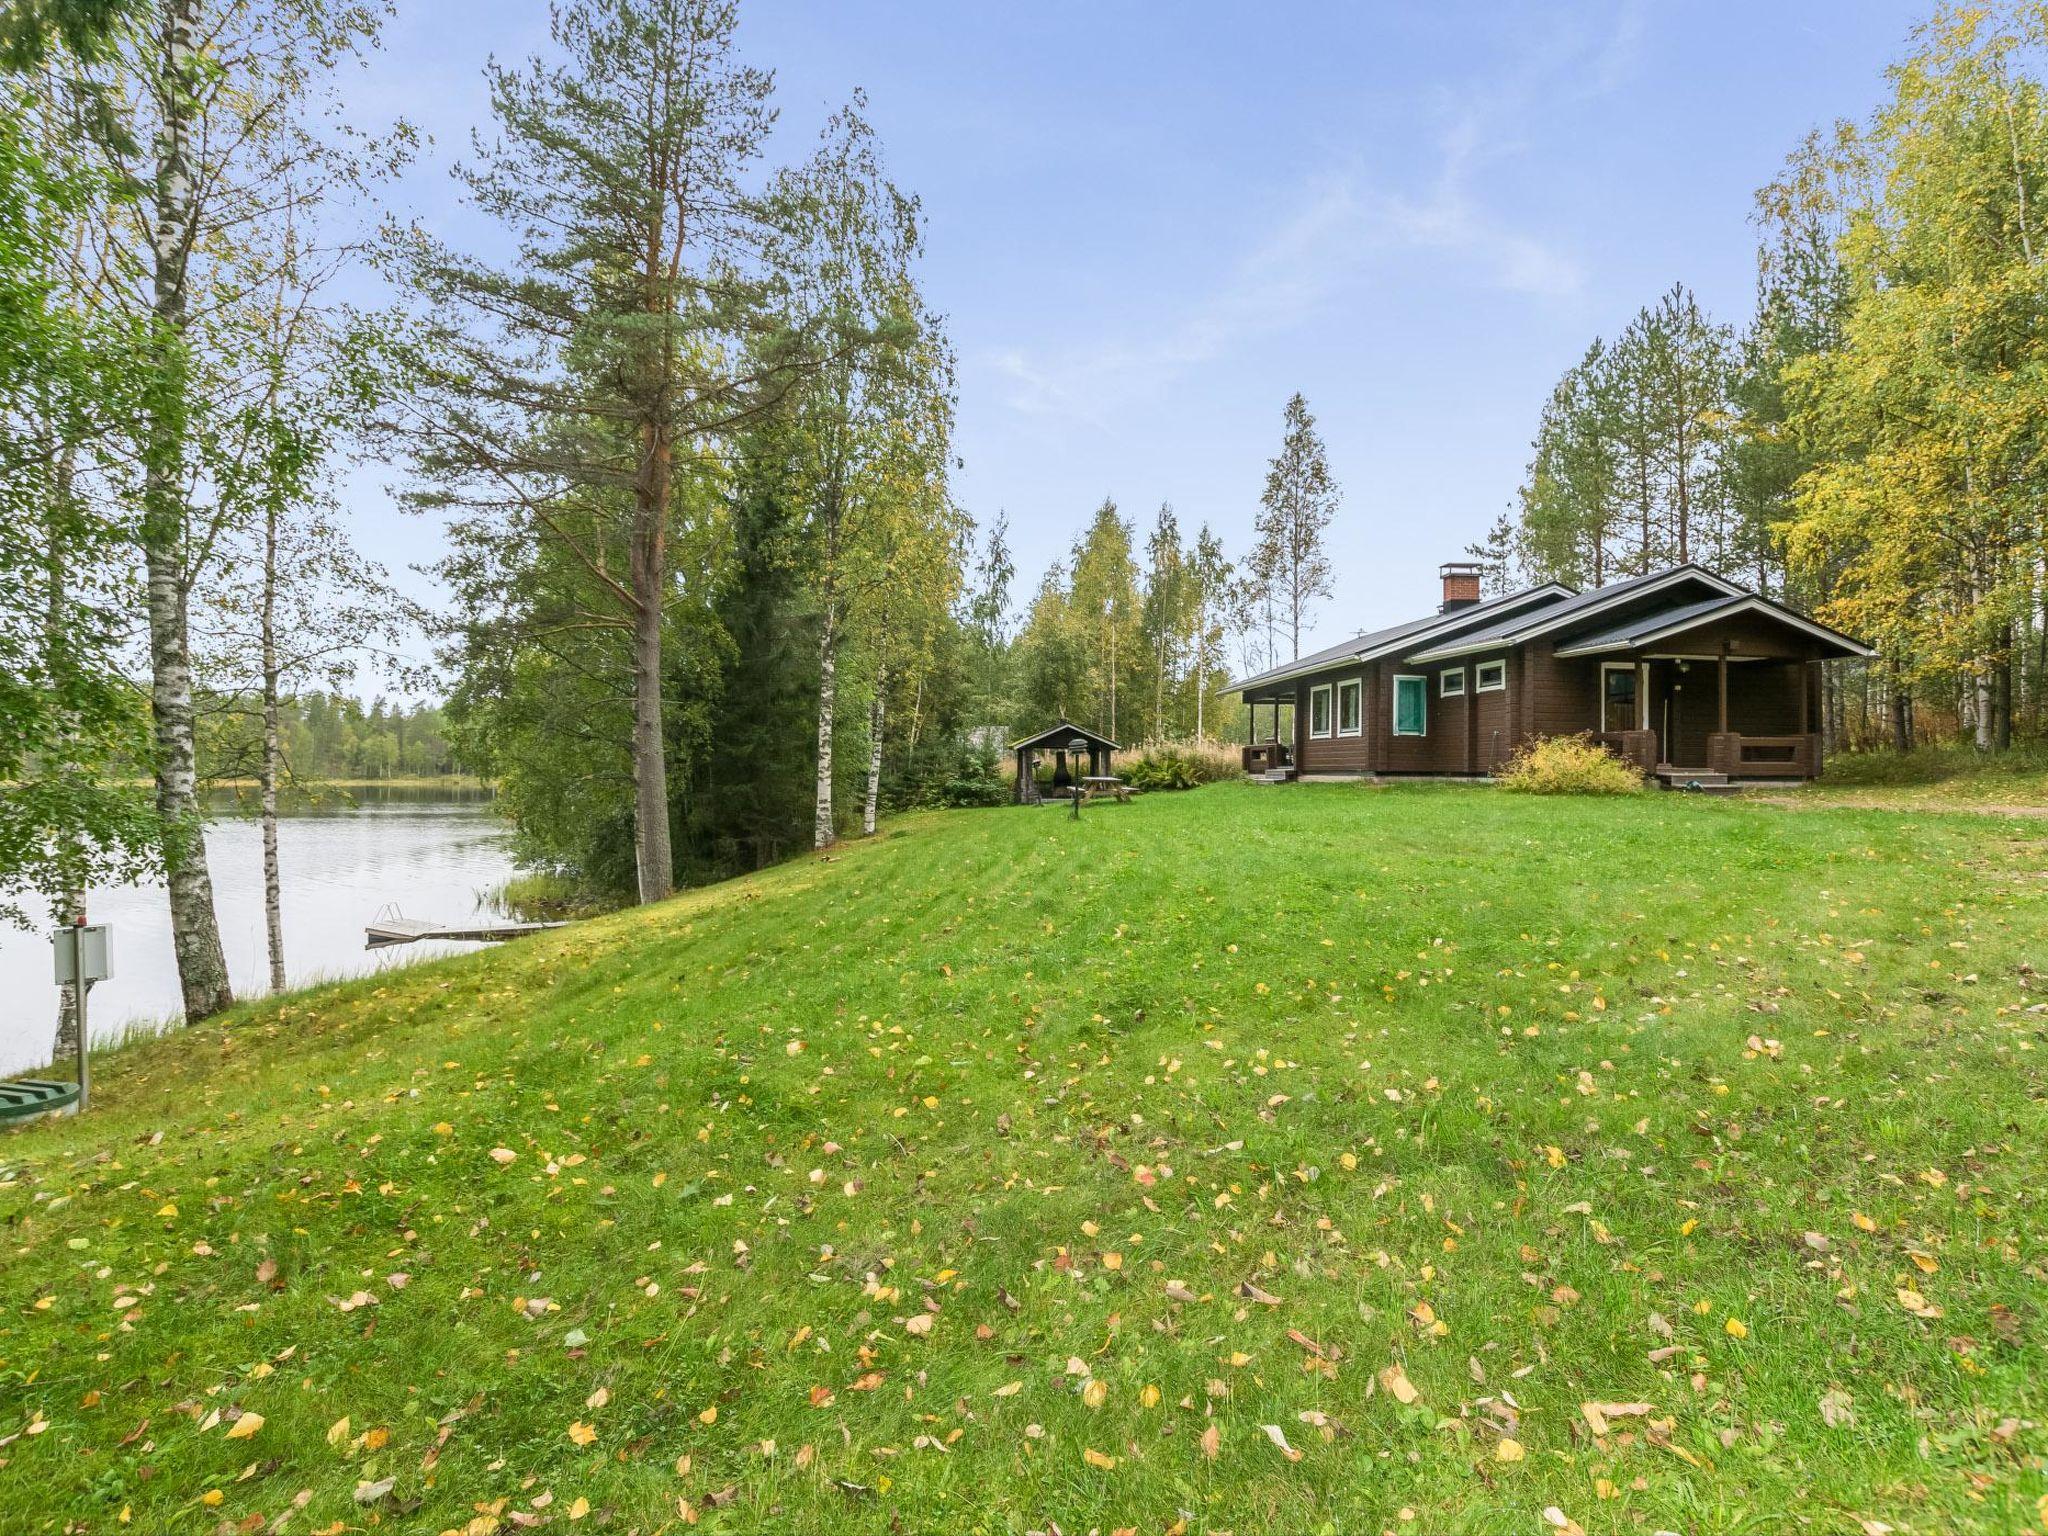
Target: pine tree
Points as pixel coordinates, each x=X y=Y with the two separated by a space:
x=1300 y=499
x=1496 y=557
x=561 y=402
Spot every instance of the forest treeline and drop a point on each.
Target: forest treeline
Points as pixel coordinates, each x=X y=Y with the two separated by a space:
x=1872 y=443
x=325 y=738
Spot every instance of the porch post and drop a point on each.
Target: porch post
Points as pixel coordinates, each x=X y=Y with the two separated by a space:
x=1799 y=672
x=1723 y=681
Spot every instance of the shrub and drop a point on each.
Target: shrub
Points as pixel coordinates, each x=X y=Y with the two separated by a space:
x=1568 y=765
x=1182 y=765
x=1936 y=764
x=957 y=775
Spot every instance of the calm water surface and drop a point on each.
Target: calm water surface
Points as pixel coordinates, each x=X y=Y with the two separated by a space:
x=436 y=853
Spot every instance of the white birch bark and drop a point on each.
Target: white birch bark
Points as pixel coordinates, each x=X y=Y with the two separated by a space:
x=56 y=661
x=824 y=832
x=273 y=756
x=195 y=930
x=874 y=795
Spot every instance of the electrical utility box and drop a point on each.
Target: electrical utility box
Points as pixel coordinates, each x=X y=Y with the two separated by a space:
x=94 y=951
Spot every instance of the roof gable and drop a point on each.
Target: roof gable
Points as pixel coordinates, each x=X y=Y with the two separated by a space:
x=1667 y=623
x=1678 y=584
x=1063 y=733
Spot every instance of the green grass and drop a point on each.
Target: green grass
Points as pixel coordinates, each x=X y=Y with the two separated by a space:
x=1957 y=775
x=1545 y=1102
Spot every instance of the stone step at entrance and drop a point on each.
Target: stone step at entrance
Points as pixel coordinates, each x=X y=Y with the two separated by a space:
x=1697 y=780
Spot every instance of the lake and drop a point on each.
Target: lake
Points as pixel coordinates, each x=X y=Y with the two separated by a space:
x=435 y=852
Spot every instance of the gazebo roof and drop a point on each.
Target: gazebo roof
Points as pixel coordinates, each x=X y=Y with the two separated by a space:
x=1059 y=735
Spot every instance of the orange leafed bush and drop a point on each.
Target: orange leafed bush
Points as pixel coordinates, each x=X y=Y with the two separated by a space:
x=1568 y=765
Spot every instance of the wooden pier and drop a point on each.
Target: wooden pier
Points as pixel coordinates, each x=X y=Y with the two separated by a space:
x=388 y=929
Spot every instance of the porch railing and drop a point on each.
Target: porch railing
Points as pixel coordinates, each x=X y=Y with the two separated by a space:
x=1763 y=757
x=1259 y=756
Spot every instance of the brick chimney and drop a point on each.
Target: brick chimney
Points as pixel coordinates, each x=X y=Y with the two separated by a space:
x=1461 y=585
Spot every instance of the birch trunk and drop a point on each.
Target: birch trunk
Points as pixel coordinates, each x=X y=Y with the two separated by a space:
x=195 y=930
x=273 y=757
x=824 y=833
x=874 y=795
x=57 y=665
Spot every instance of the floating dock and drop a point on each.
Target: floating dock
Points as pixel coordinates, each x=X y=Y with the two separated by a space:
x=385 y=931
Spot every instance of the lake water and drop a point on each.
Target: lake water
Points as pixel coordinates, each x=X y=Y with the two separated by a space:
x=436 y=853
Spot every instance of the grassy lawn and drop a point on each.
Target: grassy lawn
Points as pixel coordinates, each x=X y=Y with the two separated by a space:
x=1935 y=777
x=1252 y=1160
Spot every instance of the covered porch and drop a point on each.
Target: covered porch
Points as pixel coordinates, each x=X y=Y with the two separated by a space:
x=1269 y=746
x=1729 y=692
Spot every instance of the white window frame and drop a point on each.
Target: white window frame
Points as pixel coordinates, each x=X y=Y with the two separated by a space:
x=1395 y=723
x=1444 y=690
x=1500 y=671
x=1355 y=686
x=1329 y=712
x=1642 y=692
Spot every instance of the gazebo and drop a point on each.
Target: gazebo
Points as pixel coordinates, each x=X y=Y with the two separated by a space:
x=1060 y=739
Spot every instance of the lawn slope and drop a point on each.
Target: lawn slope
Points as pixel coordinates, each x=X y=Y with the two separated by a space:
x=1247 y=1160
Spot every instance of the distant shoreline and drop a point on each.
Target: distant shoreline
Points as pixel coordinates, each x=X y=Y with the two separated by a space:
x=412 y=781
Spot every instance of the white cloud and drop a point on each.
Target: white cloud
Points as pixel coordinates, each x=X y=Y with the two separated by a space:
x=1341 y=223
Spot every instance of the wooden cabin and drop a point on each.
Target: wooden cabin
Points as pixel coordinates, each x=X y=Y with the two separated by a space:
x=1681 y=672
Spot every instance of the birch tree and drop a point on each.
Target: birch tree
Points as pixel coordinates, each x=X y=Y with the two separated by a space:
x=297 y=606
x=1208 y=611
x=215 y=118
x=1163 y=615
x=874 y=422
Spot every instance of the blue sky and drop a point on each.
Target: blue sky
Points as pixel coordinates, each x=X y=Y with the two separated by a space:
x=1148 y=224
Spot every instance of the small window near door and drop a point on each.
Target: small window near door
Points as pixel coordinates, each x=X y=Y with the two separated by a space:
x=1319 y=711
x=1452 y=683
x=1411 y=706
x=1350 y=696
x=1619 y=710
x=1490 y=677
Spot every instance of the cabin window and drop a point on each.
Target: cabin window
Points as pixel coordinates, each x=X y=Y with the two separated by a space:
x=1411 y=706
x=1350 y=695
x=1490 y=677
x=1319 y=711
x=1623 y=706
x=1451 y=683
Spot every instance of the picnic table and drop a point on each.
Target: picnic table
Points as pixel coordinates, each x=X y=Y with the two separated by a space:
x=1096 y=784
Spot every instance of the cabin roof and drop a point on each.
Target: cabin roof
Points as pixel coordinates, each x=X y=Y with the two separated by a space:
x=1515 y=628
x=1379 y=642
x=1661 y=603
